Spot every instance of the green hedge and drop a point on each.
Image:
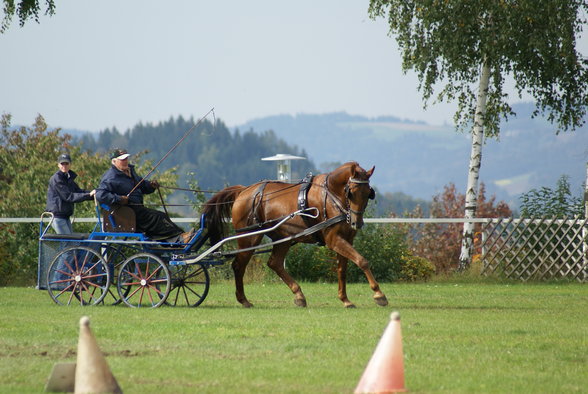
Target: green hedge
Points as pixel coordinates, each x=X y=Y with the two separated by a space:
x=384 y=246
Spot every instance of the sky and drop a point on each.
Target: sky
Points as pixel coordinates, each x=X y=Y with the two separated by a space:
x=99 y=64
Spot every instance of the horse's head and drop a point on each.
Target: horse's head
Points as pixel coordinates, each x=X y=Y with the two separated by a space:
x=351 y=185
x=358 y=193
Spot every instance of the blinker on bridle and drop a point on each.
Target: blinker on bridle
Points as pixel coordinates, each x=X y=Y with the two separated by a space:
x=353 y=180
x=348 y=195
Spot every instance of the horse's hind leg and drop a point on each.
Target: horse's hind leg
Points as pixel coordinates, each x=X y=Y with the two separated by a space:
x=239 y=265
x=276 y=263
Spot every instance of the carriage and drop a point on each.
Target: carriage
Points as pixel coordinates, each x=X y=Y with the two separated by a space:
x=114 y=264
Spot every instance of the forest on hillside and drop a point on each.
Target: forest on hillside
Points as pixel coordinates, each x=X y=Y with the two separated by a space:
x=215 y=156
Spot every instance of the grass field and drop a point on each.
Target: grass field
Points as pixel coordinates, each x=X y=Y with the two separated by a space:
x=458 y=337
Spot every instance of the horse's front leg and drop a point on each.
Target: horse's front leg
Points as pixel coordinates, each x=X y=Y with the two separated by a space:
x=342 y=278
x=344 y=248
x=276 y=263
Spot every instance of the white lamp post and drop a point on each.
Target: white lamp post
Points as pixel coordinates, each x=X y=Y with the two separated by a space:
x=284 y=165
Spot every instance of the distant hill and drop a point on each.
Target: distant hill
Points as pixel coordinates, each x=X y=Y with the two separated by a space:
x=413 y=160
x=420 y=159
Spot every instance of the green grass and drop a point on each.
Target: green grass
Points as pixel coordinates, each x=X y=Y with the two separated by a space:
x=458 y=337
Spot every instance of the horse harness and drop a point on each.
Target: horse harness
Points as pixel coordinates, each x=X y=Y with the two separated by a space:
x=303 y=204
x=256 y=204
x=312 y=229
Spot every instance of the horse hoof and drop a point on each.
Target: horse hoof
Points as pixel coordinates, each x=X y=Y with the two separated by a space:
x=300 y=302
x=382 y=301
x=350 y=306
x=247 y=305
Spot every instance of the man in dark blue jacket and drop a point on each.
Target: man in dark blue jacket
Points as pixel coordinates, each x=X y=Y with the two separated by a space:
x=119 y=181
x=62 y=193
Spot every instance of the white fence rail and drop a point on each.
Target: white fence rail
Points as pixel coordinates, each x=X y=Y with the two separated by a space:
x=510 y=247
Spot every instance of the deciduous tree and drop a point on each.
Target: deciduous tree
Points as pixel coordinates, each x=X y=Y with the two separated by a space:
x=470 y=48
x=552 y=203
x=27 y=160
x=25 y=9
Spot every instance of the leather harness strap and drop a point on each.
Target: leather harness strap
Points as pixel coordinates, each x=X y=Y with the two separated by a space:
x=303 y=204
x=256 y=204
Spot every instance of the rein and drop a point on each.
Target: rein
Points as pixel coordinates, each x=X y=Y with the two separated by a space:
x=190 y=190
x=335 y=199
x=163 y=202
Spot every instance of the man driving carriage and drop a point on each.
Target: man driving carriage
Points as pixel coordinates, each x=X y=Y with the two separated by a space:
x=121 y=185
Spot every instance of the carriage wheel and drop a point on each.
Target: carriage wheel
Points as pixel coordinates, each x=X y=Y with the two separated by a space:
x=78 y=275
x=190 y=285
x=143 y=281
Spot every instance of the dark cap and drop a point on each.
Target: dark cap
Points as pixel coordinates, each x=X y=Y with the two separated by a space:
x=120 y=154
x=63 y=158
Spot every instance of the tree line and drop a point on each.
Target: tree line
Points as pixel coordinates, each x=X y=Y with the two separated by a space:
x=209 y=152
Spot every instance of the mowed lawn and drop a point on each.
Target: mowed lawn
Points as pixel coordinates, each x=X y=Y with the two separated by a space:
x=458 y=337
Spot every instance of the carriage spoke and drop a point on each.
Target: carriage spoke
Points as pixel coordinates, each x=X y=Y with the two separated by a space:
x=141 y=296
x=135 y=292
x=71 y=295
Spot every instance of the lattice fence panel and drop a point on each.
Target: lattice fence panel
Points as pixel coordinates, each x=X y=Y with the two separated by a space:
x=538 y=249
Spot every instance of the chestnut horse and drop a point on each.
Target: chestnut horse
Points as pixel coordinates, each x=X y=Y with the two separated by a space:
x=337 y=199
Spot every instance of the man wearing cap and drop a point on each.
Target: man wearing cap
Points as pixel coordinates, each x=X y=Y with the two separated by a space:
x=120 y=180
x=62 y=193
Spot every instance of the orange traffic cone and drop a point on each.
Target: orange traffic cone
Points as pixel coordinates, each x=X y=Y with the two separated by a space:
x=385 y=370
x=92 y=372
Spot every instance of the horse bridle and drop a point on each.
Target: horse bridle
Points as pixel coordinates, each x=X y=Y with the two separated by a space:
x=345 y=209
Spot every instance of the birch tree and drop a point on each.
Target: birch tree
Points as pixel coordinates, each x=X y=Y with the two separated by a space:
x=463 y=51
x=24 y=9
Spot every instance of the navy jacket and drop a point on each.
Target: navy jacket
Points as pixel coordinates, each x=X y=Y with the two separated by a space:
x=116 y=183
x=63 y=192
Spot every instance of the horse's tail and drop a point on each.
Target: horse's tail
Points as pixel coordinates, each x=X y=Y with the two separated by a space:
x=217 y=209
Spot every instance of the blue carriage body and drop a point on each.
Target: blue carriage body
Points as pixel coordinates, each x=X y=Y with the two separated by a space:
x=96 y=255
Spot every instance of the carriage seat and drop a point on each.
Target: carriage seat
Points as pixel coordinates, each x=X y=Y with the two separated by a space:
x=118 y=219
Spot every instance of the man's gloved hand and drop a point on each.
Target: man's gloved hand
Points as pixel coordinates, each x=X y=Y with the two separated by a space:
x=124 y=200
x=154 y=184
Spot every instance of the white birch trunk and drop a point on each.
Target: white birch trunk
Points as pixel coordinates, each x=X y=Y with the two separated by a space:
x=471 y=197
